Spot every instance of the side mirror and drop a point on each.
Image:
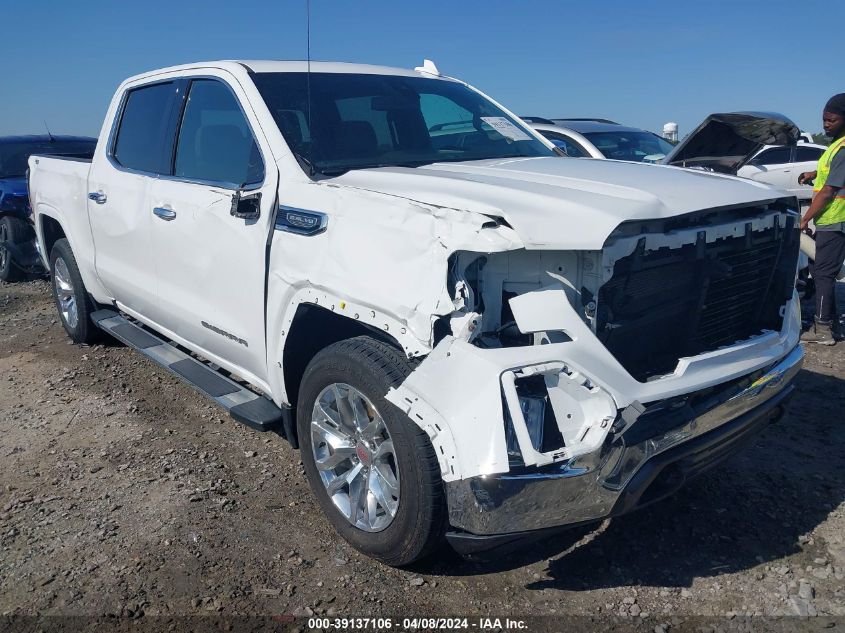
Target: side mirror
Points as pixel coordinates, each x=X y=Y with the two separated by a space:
x=246 y=206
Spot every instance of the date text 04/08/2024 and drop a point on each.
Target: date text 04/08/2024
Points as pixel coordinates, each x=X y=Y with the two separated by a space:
x=426 y=623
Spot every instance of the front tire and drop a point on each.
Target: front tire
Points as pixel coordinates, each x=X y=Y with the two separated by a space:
x=72 y=300
x=374 y=472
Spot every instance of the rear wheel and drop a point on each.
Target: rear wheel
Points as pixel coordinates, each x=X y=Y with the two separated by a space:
x=13 y=231
x=373 y=471
x=72 y=300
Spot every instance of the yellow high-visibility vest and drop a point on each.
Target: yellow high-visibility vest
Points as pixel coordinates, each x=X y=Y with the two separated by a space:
x=834 y=212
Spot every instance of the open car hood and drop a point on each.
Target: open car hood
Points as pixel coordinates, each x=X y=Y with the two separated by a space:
x=725 y=142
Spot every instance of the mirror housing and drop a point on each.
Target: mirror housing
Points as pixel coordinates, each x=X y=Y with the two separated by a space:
x=246 y=206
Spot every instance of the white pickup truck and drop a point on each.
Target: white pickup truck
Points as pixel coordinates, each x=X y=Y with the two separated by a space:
x=467 y=335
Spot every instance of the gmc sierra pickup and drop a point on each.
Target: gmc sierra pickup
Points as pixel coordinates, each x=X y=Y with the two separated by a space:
x=466 y=334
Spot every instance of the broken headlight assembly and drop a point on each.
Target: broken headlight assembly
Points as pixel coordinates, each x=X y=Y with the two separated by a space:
x=539 y=418
x=553 y=413
x=482 y=287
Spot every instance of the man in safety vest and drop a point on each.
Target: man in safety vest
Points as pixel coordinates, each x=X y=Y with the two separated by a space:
x=828 y=212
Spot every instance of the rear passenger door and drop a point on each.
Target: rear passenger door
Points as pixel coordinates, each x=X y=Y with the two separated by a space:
x=210 y=264
x=138 y=151
x=806 y=159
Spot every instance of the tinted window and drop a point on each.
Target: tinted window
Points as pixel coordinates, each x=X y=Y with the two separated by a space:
x=357 y=121
x=803 y=154
x=14 y=156
x=142 y=140
x=215 y=141
x=774 y=156
x=570 y=147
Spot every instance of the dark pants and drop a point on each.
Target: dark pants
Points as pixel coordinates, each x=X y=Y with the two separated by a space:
x=830 y=253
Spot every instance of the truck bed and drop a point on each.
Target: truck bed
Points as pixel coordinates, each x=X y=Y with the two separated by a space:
x=58 y=188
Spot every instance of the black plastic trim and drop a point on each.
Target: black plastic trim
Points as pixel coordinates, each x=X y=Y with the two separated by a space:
x=253 y=410
x=694 y=457
x=203 y=377
x=135 y=336
x=260 y=414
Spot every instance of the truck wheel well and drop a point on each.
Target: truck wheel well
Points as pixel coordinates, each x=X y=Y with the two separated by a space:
x=52 y=231
x=313 y=329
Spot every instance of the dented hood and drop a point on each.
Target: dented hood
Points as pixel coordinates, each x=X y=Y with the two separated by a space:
x=725 y=142
x=565 y=203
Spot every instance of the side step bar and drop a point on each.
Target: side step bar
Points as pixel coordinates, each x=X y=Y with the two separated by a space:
x=243 y=405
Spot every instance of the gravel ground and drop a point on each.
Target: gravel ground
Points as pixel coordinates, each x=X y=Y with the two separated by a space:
x=126 y=495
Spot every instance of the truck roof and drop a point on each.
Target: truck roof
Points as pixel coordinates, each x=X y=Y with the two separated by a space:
x=265 y=66
x=281 y=66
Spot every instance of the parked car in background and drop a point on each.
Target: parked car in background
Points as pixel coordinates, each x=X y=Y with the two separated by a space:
x=761 y=146
x=780 y=165
x=18 y=253
x=600 y=138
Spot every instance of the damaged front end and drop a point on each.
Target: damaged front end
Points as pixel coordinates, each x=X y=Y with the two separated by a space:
x=652 y=451
x=560 y=375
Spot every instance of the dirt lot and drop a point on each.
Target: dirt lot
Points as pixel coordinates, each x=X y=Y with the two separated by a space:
x=126 y=494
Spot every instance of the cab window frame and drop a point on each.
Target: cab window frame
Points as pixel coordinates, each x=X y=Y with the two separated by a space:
x=814 y=150
x=176 y=110
x=169 y=139
x=760 y=159
x=188 y=82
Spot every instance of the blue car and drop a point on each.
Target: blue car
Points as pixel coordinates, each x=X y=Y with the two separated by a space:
x=18 y=255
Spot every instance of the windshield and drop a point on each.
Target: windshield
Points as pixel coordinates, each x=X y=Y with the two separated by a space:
x=359 y=121
x=14 y=156
x=642 y=147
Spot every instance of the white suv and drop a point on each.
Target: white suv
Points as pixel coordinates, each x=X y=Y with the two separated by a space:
x=780 y=165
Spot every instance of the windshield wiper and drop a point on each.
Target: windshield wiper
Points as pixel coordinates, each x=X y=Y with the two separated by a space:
x=337 y=171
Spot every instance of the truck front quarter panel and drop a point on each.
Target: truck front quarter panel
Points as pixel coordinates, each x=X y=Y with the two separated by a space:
x=381 y=261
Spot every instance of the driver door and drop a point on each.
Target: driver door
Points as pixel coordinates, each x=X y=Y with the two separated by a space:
x=210 y=263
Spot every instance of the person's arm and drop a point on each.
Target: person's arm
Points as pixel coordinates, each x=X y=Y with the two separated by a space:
x=833 y=187
x=820 y=201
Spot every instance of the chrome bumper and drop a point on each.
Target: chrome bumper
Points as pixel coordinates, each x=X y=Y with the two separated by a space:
x=648 y=459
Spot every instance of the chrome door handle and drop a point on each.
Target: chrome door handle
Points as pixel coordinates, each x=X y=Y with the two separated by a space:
x=165 y=214
x=97 y=196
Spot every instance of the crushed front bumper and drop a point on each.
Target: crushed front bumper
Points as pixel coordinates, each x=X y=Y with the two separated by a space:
x=650 y=458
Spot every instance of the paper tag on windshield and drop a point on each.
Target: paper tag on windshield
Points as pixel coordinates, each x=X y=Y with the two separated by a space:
x=505 y=128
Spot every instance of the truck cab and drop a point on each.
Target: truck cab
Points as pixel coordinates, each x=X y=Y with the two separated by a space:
x=466 y=334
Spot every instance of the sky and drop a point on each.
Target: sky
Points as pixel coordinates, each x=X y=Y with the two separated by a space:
x=640 y=63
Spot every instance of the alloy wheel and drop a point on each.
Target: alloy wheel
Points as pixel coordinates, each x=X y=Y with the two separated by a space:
x=354 y=455
x=65 y=293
